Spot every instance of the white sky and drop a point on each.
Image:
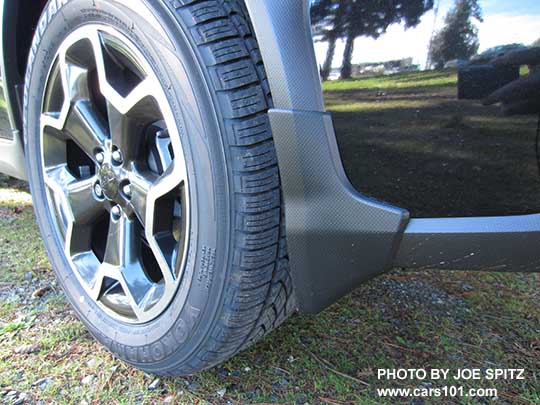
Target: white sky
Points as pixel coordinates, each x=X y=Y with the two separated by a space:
x=504 y=23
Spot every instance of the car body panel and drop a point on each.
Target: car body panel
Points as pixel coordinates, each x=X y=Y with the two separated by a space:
x=11 y=145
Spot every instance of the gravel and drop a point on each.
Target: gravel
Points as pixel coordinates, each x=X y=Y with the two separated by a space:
x=395 y=297
x=154 y=385
x=221 y=393
x=88 y=380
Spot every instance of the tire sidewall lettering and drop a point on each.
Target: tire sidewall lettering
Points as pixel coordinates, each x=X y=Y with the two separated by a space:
x=158 y=350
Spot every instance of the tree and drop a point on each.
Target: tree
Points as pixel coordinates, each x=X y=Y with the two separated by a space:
x=458 y=39
x=371 y=18
x=350 y=19
x=327 y=20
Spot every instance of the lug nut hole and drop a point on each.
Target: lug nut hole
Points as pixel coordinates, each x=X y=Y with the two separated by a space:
x=98 y=191
x=117 y=157
x=116 y=212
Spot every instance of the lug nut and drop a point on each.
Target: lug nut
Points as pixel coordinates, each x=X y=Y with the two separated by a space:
x=163 y=133
x=100 y=157
x=116 y=212
x=127 y=190
x=98 y=190
x=117 y=157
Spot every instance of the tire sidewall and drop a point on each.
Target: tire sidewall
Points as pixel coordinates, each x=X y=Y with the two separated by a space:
x=178 y=331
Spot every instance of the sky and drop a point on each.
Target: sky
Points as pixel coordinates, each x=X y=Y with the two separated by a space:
x=505 y=22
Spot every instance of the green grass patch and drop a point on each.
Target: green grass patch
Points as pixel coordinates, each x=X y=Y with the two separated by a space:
x=414 y=80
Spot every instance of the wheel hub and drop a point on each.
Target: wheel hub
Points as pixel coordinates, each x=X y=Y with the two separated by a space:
x=117 y=210
x=109 y=181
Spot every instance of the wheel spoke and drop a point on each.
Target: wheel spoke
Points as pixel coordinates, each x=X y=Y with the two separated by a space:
x=87 y=264
x=124 y=105
x=84 y=206
x=86 y=128
x=143 y=90
x=75 y=86
x=51 y=120
x=167 y=182
x=97 y=282
x=122 y=263
x=121 y=242
x=136 y=286
x=126 y=133
x=174 y=176
x=73 y=197
x=74 y=80
x=57 y=179
x=140 y=187
x=76 y=208
x=146 y=88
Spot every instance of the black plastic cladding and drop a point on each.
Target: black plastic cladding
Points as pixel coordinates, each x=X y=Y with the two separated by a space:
x=336 y=237
x=485 y=243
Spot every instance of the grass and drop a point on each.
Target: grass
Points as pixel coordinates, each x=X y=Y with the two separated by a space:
x=424 y=319
x=415 y=80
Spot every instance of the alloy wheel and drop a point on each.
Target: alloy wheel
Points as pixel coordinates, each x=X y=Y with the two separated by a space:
x=115 y=173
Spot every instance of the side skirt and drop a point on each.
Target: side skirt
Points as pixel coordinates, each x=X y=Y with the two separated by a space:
x=510 y=244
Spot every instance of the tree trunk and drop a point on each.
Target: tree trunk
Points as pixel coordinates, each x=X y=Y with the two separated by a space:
x=332 y=39
x=327 y=67
x=346 y=67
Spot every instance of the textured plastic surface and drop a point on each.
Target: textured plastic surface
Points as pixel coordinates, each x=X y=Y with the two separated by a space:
x=488 y=244
x=284 y=35
x=336 y=237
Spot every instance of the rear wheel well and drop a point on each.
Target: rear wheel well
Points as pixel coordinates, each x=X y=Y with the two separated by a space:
x=20 y=21
x=27 y=19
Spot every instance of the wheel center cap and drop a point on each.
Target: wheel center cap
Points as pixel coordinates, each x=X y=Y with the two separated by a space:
x=109 y=181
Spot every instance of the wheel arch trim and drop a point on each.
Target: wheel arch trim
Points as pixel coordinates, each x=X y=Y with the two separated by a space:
x=336 y=237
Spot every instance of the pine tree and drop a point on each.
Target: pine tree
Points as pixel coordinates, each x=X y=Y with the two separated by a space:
x=349 y=19
x=371 y=18
x=458 y=39
x=327 y=17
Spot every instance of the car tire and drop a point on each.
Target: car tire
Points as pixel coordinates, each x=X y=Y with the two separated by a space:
x=232 y=285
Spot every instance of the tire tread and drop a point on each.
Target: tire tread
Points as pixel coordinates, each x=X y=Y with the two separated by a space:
x=260 y=295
